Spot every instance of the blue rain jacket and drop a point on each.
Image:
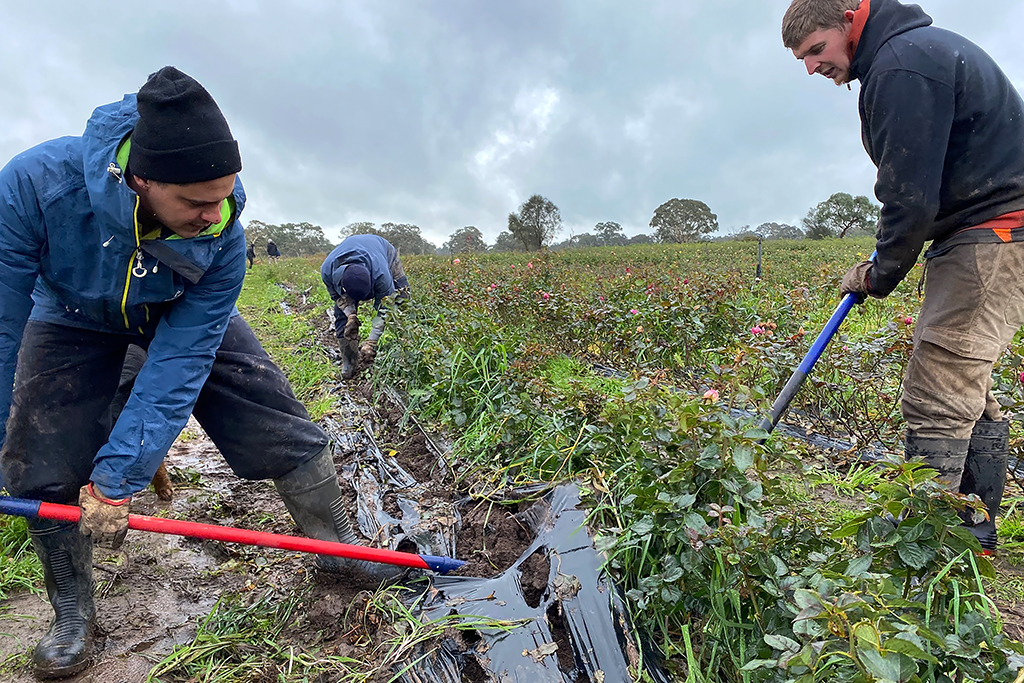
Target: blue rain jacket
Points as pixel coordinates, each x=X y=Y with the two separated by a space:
x=70 y=245
x=372 y=251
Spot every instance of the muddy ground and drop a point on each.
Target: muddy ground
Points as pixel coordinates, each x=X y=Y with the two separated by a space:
x=152 y=595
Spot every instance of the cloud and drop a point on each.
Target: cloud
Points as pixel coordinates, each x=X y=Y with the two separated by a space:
x=448 y=113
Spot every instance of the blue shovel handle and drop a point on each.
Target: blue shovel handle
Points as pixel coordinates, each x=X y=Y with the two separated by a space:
x=781 y=403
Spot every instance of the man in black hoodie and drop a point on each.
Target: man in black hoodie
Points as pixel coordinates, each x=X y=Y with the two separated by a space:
x=945 y=127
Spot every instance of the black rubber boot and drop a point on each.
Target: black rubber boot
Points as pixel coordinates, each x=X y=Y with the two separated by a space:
x=349 y=357
x=313 y=497
x=66 y=556
x=985 y=474
x=947 y=456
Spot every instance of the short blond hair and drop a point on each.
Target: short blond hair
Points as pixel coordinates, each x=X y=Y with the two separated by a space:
x=804 y=17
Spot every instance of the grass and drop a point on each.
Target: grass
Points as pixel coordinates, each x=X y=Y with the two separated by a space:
x=241 y=641
x=19 y=567
x=291 y=339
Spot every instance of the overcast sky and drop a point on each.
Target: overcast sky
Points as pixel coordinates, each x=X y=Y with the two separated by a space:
x=449 y=113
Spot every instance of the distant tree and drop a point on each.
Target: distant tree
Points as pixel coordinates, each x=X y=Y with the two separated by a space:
x=610 y=234
x=779 y=231
x=465 y=239
x=537 y=221
x=744 y=234
x=507 y=242
x=293 y=239
x=360 y=228
x=258 y=232
x=841 y=214
x=641 y=238
x=581 y=241
x=683 y=220
x=406 y=238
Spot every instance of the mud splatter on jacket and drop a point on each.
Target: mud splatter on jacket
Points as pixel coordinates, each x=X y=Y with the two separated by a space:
x=72 y=253
x=945 y=127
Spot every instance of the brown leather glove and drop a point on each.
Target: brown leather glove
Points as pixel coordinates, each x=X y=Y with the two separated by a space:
x=105 y=519
x=368 y=351
x=352 y=328
x=856 y=279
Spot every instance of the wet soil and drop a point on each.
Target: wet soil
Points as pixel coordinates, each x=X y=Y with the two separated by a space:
x=491 y=539
x=152 y=596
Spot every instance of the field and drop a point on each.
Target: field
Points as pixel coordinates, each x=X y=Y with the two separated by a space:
x=639 y=375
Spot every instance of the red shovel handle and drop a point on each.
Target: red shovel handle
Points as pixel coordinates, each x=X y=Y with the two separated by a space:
x=214 y=532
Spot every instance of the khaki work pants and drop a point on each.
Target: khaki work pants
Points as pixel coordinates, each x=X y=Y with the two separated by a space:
x=973 y=305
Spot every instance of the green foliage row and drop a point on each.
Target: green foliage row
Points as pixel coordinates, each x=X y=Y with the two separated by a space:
x=739 y=582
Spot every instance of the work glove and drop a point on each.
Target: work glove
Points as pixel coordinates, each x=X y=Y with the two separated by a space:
x=105 y=519
x=368 y=352
x=402 y=296
x=352 y=328
x=856 y=280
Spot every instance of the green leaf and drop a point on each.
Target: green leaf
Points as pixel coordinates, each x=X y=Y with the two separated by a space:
x=673 y=574
x=857 y=567
x=805 y=598
x=887 y=666
x=781 y=642
x=808 y=612
x=755 y=664
x=604 y=543
x=866 y=634
x=743 y=457
x=695 y=521
x=643 y=527
x=753 y=491
x=915 y=555
x=904 y=646
x=958 y=647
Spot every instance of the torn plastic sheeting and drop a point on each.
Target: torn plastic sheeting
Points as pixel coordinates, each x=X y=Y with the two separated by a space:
x=579 y=631
x=372 y=475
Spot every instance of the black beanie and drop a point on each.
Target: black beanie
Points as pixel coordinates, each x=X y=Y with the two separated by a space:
x=181 y=137
x=356 y=282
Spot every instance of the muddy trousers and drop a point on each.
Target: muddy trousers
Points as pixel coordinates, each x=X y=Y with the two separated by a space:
x=973 y=306
x=61 y=409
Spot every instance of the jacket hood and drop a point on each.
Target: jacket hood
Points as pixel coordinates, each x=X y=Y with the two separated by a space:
x=104 y=179
x=887 y=18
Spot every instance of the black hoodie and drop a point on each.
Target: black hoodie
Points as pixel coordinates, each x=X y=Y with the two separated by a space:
x=945 y=127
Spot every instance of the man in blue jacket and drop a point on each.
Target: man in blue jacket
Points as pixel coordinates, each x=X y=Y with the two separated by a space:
x=128 y=235
x=361 y=268
x=945 y=127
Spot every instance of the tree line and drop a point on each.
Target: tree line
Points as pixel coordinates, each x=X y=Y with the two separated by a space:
x=538 y=221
